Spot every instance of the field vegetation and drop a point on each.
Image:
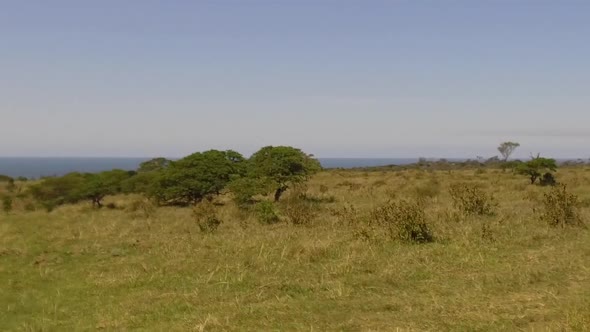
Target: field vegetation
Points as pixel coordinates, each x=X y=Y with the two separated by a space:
x=218 y=242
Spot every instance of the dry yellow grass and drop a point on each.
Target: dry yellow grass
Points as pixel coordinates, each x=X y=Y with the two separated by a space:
x=82 y=269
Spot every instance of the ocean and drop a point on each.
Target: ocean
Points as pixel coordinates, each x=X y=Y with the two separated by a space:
x=38 y=167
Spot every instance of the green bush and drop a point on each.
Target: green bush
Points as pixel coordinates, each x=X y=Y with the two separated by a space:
x=266 y=213
x=402 y=220
x=560 y=208
x=470 y=199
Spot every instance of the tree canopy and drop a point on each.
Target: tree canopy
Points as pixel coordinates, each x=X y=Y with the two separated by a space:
x=152 y=165
x=282 y=166
x=197 y=176
x=507 y=148
x=96 y=186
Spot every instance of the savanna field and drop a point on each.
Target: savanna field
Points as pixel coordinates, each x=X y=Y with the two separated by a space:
x=486 y=259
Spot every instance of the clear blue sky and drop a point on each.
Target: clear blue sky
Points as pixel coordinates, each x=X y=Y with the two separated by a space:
x=438 y=78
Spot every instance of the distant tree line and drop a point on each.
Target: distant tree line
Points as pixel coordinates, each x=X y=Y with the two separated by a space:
x=187 y=181
x=203 y=175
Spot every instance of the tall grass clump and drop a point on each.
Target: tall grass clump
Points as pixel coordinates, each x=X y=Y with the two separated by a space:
x=402 y=220
x=206 y=217
x=560 y=208
x=429 y=189
x=141 y=208
x=472 y=200
x=299 y=211
x=7 y=204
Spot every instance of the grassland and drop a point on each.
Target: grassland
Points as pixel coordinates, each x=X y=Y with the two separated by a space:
x=79 y=268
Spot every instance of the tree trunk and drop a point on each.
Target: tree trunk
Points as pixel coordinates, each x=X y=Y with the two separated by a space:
x=96 y=202
x=279 y=192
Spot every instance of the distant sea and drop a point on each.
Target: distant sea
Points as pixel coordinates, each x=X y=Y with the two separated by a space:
x=39 y=167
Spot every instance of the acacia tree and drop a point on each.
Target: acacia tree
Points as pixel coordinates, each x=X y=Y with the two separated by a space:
x=147 y=172
x=197 y=176
x=536 y=167
x=152 y=165
x=282 y=166
x=507 y=148
x=96 y=187
x=54 y=191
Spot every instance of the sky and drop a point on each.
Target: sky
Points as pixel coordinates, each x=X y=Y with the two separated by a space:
x=365 y=78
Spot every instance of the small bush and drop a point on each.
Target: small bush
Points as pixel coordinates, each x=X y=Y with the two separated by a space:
x=402 y=220
x=560 y=208
x=470 y=199
x=266 y=213
x=206 y=217
x=111 y=206
x=324 y=189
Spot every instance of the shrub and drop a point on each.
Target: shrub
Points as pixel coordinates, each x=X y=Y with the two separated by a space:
x=324 y=189
x=560 y=208
x=206 y=217
x=470 y=199
x=266 y=213
x=402 y=220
